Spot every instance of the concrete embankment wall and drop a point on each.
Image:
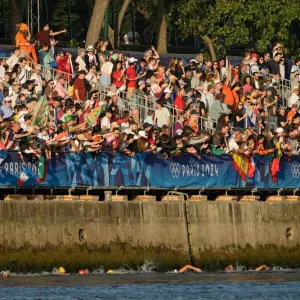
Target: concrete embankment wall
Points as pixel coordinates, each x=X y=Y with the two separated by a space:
x=40 y=235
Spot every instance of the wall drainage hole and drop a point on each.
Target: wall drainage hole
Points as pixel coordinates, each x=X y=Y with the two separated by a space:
x=289 y=233
x=81 y=235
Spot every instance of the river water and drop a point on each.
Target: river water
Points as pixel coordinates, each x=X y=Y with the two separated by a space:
x=275 y=284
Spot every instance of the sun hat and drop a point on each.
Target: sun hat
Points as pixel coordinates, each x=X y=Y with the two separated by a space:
x=90 y=48
x=279 y=130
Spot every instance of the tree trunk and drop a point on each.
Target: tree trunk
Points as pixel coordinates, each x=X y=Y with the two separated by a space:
x=121 y=17
x=210 y=46
x=97 y=19
x=161 y=27
x=16 y=15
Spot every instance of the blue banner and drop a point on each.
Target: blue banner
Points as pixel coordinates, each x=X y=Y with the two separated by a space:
x=145 y=169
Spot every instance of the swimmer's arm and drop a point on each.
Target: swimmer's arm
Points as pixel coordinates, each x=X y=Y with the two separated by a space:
x=183 y=269
x=261 y=268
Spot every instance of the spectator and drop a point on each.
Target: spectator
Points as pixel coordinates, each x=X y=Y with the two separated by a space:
x=6 y=108
x=162 y=115
x=14 y=59
x=294 y=99
x=60 y=87
x=273 y=64
x=44 y=37
x=80 y=60
x=131 y=77
x=79 y=88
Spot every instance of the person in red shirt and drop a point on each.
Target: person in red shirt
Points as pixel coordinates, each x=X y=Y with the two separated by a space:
x=118 y=75
x=44 y=35
x=79 y=89
x=179 y=101
x=131 y=77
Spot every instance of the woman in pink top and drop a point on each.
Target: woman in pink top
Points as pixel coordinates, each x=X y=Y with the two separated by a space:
x=247 y=85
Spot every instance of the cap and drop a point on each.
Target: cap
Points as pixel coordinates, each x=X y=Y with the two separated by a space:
x=90 y=48
x=194 y=112
x=167 y=90
x=68 y=118
x=254 y=55
x=146 y=125
x=142 y=133
x=132 y=59
x=141 y=82
x=279 y=130
x=216 y=81
x=295 y=87
x=182 y=82
x=23 y=27
x=62 y=270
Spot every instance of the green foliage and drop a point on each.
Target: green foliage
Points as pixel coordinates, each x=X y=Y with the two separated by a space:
x=239 y=21
x=60 y=13
x=74 y=44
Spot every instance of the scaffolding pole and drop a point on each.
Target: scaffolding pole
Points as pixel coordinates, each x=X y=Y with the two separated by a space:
x=33 y=15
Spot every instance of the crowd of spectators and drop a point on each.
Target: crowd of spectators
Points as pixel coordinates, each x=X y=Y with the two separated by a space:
x=198 y=106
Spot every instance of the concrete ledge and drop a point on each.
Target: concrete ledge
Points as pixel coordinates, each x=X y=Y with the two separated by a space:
x=275 y=198
x=292 y=198
x=248 y=198
x=198 y=198
x=226 y=198
x=119 y=198
x=15 y=197
x=172 y=198
x=145 y=198
x=88 y=198
x=35 y=197
x=67 y=198
x=50 y=198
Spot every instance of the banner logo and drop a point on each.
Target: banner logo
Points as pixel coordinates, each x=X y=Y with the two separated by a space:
x=295 y=169
x=175 y=170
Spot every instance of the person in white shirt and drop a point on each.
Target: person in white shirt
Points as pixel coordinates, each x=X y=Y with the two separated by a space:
x=294 y=99
x=24 y=69
x=105 y=122
x=80 y=60
x=162 y=115
x=36 y=76
x=14 y=59
x=295 y=72
x=2 y=68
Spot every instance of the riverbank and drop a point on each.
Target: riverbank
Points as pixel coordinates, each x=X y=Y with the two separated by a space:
x=36 y=236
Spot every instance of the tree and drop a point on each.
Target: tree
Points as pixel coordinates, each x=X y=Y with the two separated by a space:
x=238 y=21
x=121 y=17
x=96 y=21
x=60 y=14
x=161 y=27
x=16 y=14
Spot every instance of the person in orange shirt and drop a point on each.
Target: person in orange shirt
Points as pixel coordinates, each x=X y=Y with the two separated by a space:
x=230 y=99
x=292 y=112
x=23 y=41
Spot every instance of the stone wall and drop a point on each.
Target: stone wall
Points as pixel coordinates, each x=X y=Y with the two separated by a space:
x=38 y=235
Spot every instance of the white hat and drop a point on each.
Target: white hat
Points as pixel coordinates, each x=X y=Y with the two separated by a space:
x=90 y=48
x=142 y=133
x=194 y=60
x=216 y=81
x=167 y=90
x=132 y=59
x=142 y=81
x=295 y=87
x=279 y=130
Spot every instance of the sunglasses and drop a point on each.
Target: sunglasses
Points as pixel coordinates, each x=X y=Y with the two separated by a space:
x=8 y=101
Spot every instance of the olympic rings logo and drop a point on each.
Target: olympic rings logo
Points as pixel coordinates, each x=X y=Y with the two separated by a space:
x=295 y=170
x=175 y=170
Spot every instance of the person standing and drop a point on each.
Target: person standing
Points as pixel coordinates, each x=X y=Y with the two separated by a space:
x=44 y=37
x=131 y=77
x=79 y=89
x=80 y=60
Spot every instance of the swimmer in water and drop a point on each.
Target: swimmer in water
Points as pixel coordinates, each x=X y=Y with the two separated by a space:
x=83 y=272
x=60 y=271
x=4 y=274
x=114 y=272
x=262 y=267
x=189 y=267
